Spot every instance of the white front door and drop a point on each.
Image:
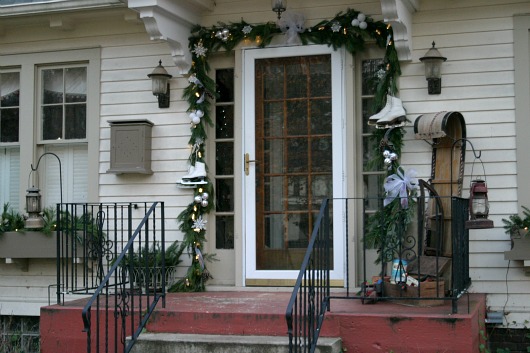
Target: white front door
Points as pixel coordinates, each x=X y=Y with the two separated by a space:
x=293 y=155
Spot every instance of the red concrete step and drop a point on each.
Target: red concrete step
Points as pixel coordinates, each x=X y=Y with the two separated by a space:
x=380 y=327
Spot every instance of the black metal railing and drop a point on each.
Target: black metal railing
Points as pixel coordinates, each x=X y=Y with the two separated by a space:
x=103 y=255
x=421 y=256
x=310 y=298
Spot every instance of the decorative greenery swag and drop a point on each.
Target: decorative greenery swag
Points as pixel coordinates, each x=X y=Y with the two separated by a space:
x=342 y=31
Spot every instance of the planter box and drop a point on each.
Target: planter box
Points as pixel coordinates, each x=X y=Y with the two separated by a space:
x=28 y=245
x=520 y=249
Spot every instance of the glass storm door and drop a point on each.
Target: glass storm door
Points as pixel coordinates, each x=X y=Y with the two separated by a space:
x=290 y=160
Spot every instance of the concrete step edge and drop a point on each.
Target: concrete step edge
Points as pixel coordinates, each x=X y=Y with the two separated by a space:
x=228 y=339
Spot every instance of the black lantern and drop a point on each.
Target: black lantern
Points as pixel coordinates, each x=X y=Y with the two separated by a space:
x=433 y=69
x=478 y=206
x=33 y=207
x=160 y=78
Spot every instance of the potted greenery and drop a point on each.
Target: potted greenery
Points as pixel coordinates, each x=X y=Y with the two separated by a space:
x=518 y=227
x=10 y=220
x=147 y=265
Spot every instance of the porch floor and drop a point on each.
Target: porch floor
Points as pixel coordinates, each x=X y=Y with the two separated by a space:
x=381 y=327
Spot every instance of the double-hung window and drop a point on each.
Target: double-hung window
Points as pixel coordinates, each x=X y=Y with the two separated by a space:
x=9 y=137
x=63 y=119
x=49 y=107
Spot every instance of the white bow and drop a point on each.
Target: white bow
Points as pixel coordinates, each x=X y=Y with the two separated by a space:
x=398 y=185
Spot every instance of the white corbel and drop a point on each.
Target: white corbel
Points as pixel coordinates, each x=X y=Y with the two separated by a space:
x=398 y=13
x=171 y=21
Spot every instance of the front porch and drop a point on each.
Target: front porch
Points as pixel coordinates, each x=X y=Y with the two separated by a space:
x=382 y=327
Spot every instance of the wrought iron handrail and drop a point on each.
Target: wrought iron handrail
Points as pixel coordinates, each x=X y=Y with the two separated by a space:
x=121 y=303
x=440 y=277
x=310 y=297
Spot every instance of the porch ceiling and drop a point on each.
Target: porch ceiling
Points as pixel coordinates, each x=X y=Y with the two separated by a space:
x=171 y=21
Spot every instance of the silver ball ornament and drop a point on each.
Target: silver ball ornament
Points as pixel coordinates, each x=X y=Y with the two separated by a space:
x=204 y=203
x=361 y=17
x=363 y=25
x=197 y=198
x=386 y=153
x=196 y=120
x=393 y=156
x=355 y=22
x=388 y=161
x=205 y=196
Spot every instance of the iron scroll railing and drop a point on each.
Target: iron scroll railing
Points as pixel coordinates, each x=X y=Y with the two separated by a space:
x=310 y=298
x=425 y=262
x=101 y=254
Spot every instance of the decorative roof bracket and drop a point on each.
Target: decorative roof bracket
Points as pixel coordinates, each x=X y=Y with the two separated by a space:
x=171 y=21
x=398 y=13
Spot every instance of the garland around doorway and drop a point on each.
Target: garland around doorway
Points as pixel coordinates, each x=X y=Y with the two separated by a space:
x=350 y=30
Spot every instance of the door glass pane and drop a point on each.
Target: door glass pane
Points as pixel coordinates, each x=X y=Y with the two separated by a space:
x=297 y=118
x=224 y=116
x=224 y=195
x=224 y=158
x=224 y=234
x=320 y=116
x=293 y=139
x=272 y=156
x=273 y=125
x=224 y=85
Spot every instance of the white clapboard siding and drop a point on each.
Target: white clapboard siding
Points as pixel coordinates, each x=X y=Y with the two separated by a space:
x=478 y=81
x=23 y=293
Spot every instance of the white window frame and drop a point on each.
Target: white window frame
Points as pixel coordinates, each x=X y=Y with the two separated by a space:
x=29 y=139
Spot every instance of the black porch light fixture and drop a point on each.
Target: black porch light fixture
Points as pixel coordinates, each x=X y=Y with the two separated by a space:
x=279 y=6
x=160 y=79
x=433 y=69
x=478 y=206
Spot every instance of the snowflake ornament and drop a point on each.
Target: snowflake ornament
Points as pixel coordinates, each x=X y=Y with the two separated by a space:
x=199 y=49
x=335 y=27
x=199 y=224
x=247 y=29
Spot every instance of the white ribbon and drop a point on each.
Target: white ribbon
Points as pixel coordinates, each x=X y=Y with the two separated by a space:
x=398 y=185
x=291 y=24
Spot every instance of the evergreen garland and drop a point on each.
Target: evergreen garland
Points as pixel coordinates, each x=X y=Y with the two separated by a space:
x=342 y=31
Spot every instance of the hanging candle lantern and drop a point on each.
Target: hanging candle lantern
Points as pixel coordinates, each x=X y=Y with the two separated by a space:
x=478 y=206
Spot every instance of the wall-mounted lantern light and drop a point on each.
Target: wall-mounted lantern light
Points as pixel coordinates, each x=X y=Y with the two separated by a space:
x=160 y=78
x=279 y=6
x=433 y=69
x=478 y=206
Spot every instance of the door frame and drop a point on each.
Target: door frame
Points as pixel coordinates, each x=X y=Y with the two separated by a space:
x=252 y=276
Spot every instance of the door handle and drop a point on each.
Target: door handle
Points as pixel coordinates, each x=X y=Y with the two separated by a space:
x=247 y=162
